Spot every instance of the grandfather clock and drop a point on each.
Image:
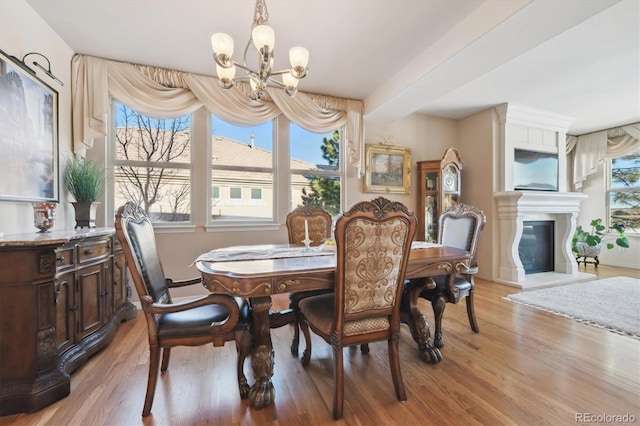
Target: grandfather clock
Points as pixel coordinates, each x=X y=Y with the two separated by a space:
x=439 y=189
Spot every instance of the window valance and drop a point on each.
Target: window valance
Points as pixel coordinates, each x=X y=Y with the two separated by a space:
x=592 y=149
x=163 y=93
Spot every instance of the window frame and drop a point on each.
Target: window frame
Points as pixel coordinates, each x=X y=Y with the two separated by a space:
x=114 y=162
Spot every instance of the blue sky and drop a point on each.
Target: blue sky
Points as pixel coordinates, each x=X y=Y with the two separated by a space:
x=305 y=145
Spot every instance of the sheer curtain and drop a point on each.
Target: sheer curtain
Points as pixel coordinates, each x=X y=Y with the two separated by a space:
x=592 y=149
x=163 y=93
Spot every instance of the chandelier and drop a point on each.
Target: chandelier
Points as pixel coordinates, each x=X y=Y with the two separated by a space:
x=263 y=39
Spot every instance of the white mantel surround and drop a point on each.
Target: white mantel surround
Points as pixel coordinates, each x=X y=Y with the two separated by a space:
x=515 y=207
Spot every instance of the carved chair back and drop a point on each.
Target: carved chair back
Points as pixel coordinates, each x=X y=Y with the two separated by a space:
x=373 y=242
x=134 y=226
x=460 y=226
x=319 y=224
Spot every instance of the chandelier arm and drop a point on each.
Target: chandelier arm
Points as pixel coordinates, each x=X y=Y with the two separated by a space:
x=244 y=67
x=277 y=83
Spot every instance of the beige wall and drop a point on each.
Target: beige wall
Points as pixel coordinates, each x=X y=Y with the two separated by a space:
x=478 y=147
x=23 y=31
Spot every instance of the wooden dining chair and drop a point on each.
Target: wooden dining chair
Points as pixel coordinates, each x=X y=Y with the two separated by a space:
x=209 y=319
x=460 y=227
x=373 y=241
x=319 y=224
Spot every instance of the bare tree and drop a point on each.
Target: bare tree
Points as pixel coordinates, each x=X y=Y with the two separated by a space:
x=149 y=145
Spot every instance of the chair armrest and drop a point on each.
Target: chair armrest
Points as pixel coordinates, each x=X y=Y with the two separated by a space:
x=217 y=328
x=182 y=283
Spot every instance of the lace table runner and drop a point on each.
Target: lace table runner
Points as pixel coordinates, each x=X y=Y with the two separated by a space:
x=220 y=255
x=229 y=254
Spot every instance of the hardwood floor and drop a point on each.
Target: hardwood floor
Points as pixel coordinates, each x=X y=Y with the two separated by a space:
x=525 y=367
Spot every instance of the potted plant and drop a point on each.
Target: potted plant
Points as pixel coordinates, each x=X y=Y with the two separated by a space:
x=589 y=244
x=85 y=181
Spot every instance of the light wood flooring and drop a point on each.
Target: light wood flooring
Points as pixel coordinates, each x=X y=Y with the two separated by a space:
x=525 y=367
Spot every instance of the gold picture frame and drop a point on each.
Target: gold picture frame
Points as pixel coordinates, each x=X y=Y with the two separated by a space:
x=387 y=168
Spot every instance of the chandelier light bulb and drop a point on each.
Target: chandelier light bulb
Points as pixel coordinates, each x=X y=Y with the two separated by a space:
x=262 y=35
x=299 y=58
x=225 y=76
x=222 y=45
x=289 y=80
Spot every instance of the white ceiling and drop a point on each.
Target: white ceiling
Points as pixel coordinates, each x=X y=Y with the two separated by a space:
x=449 y=58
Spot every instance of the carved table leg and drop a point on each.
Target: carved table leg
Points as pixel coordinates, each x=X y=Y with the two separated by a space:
x=420 y=330
x=438 y=303
x=262 y=392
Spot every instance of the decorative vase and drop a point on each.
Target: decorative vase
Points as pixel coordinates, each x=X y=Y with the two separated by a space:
x=44 y=215
x=85 y=213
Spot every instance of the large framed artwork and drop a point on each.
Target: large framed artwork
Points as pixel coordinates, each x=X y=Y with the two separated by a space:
x=28 y=134
x=387 y=168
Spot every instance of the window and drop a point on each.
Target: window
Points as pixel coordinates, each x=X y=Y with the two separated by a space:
x=624 y=192
x=235 y=193
x=242 y=159
x=315 y=169
x=152 y=164
x=155 y=163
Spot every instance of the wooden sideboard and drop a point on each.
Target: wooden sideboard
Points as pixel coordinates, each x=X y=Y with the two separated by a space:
x=62 y=296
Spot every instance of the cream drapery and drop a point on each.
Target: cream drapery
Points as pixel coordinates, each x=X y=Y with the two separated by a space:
x=162 y=93
x=592 y=149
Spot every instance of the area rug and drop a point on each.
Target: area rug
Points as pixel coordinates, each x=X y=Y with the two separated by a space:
x=612 y=303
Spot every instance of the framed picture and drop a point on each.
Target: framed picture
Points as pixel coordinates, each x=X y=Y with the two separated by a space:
x=387 y=168
x=29 y=136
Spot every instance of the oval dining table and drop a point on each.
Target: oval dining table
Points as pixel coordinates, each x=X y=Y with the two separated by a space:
x=257 y=272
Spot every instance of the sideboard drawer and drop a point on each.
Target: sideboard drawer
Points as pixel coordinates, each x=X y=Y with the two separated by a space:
x=64 y=258
x=93 y=250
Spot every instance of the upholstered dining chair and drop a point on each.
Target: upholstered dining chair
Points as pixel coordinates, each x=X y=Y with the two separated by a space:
x=373 y=241
x=459 y=226
x=209 y=319
x=319 y=224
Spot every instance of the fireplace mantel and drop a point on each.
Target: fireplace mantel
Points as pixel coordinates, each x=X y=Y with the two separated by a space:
x=513 y=208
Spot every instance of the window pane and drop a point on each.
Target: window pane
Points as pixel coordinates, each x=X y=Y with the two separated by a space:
x=625 y=209
x=321 y=191
x=242 y=164
x=215 y=192
x=625 y=171
x=152 y=164
x=235 y=193
x=314 y=151
x=171 y=187
x=235 y=201
x=624 y=195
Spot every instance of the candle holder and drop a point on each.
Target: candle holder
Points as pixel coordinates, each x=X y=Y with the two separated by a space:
x=44 y=215
x=306 y=243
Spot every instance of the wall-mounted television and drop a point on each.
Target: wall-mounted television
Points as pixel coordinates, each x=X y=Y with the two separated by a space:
x=535 y=171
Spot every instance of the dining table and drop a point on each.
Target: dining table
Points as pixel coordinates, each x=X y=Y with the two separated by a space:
x=257 y=272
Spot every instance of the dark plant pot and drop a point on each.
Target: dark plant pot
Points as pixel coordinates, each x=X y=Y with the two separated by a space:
x=85 y=214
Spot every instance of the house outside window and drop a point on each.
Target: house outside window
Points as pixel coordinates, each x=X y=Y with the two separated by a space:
x=152 y=164
x=623 y=193
x=241 y=159
x=245 y=157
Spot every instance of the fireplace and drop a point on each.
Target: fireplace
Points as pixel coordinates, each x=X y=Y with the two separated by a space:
x=517 y=209
x=536 y=246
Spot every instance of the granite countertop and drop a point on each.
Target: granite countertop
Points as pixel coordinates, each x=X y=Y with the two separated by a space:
x=61 y=236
